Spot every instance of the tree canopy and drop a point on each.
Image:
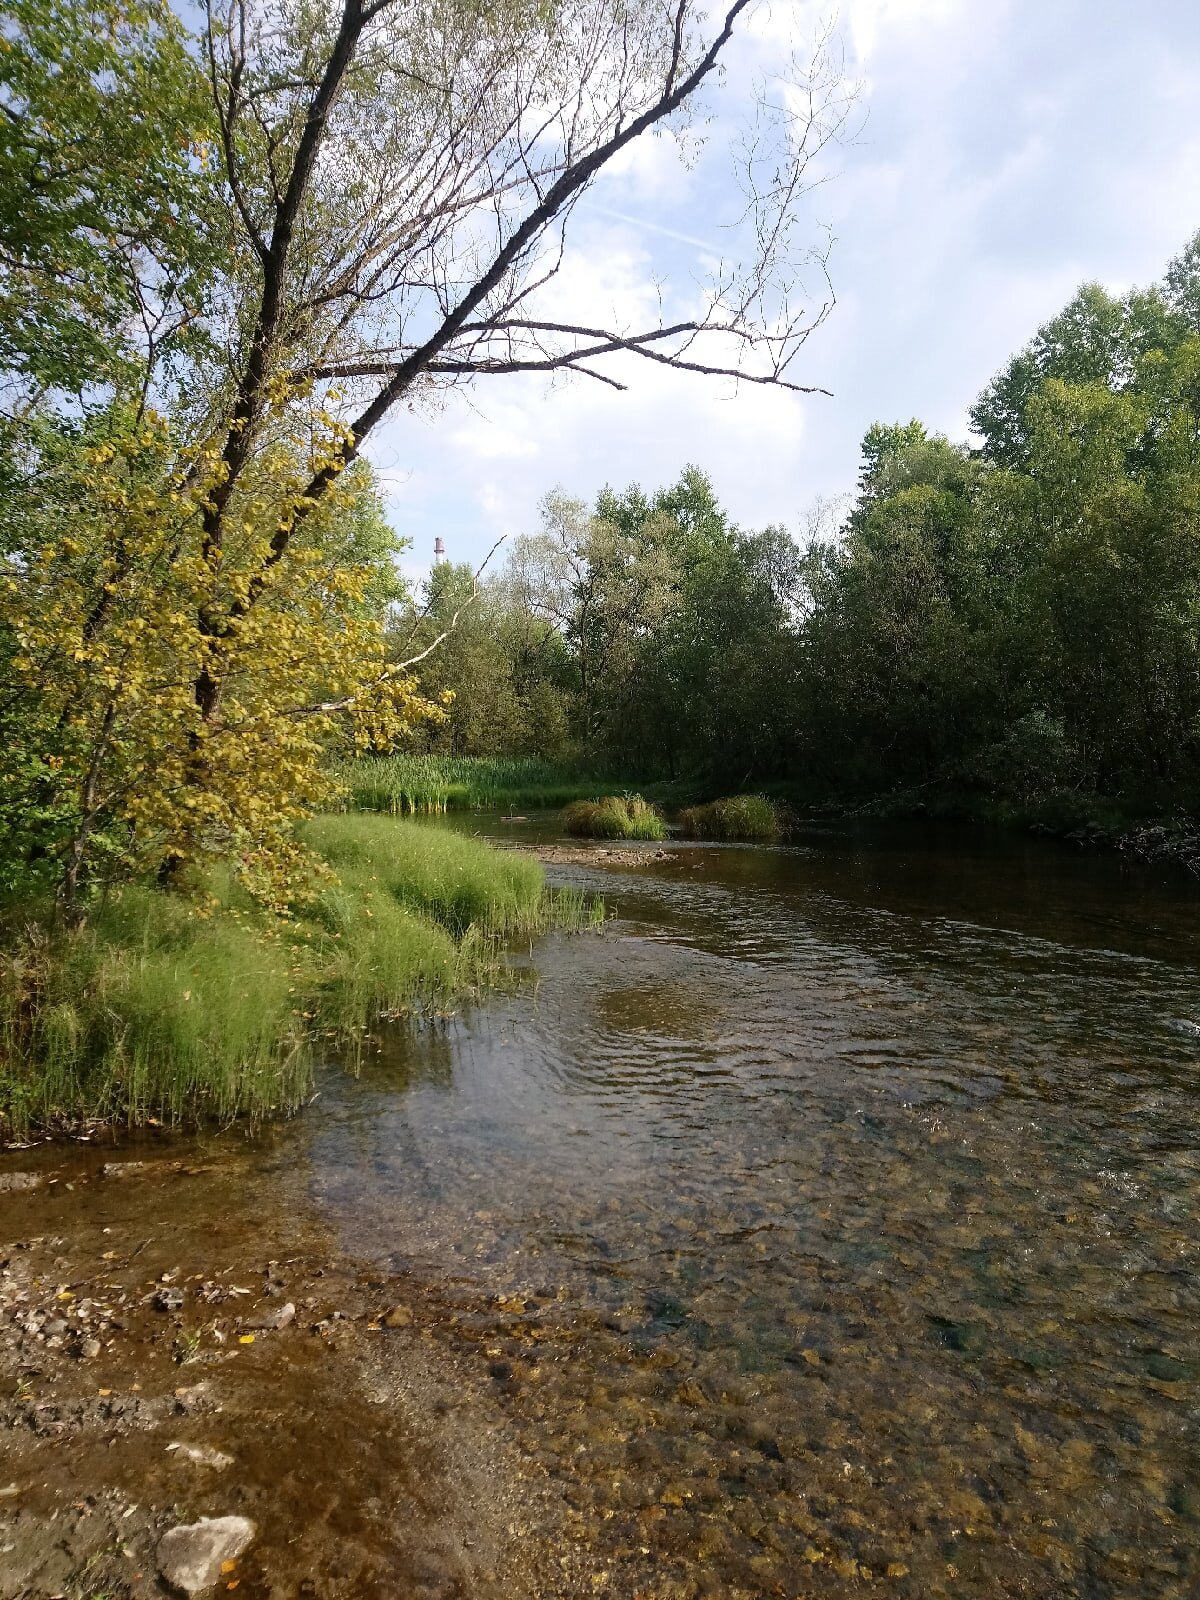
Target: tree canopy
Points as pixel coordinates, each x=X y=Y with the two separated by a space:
x=1014 y=618
x=231 y=243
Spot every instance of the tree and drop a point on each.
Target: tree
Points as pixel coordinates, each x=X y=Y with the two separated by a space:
x=101 y=640
x=501 y=665
x=1096 y=338
x=104 y=129
x=370 y=210
x=402 y=184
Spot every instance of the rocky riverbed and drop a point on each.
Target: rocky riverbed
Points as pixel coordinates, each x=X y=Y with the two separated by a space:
x=287 y=1410
x=596 y=855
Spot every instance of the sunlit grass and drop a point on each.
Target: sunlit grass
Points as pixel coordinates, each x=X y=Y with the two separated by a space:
x=172 y=1010
x=742 y=816
x=614 y=817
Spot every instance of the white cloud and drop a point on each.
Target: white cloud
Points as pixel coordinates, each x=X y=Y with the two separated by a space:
x=651 y=169
x=1011 y=151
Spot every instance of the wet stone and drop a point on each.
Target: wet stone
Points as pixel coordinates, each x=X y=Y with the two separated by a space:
x=272 y=1321
x=201 y=1455
x=191 y=1556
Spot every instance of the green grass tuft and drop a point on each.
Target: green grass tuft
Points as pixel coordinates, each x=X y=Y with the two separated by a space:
x=614 y=817
x=739 y=817
x=177 y=1011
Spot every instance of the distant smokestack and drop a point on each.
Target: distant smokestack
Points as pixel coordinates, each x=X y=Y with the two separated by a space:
x=439 y=549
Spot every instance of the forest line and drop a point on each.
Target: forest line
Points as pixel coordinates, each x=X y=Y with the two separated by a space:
x=1009 y=627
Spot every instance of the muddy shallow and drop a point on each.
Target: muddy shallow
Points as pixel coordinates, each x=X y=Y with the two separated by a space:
x=828 y=1226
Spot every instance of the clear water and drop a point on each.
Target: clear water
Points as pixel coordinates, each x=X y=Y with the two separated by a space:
x=830 y=1225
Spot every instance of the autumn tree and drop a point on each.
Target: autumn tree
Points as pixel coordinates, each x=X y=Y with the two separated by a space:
x=343 y=209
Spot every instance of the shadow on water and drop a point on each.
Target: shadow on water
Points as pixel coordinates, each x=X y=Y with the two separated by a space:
x=830 y=1221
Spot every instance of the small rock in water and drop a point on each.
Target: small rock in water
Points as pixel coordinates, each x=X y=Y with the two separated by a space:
x=397 y=1317
x=121 y=1169
x=10 y=1182
x=190 y=1556
x=279 y=1318
x=168 y=1300
x=195 y=1397
x=89 y=1349
x=202 y=1454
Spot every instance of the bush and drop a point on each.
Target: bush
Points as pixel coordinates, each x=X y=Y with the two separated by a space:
x=742 y=816
x=1034 y=761
x=614 y=817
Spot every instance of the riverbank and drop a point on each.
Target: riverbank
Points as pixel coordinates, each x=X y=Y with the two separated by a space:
x=179 y=1009
x=1150 y=830
x=1084 y=821
x=411 y=785
x=156 y=1370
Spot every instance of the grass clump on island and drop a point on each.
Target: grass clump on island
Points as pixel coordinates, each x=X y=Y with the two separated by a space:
x=614 y=816
x=738 y=817
x=410 y=785
x=170 y=1009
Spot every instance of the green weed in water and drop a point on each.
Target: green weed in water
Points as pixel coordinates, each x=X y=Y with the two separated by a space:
x=742 y=816
x=614 y=817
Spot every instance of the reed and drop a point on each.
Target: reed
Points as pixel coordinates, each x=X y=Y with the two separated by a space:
x=414 y=785
x=738 y=817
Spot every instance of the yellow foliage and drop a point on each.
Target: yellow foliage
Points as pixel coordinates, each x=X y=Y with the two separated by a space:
x=186 y=688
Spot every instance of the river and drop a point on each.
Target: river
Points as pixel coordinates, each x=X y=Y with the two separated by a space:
x=827 y=1225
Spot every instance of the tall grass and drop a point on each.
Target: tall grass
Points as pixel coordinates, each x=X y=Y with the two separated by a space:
x=614 y=817
x=150 y=1012
x=156 y=1012
x=742 y=816
x=408 y=785
x=458 y=881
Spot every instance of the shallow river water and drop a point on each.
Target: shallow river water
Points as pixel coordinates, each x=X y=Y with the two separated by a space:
x=832 y=1222
x=829 y=1225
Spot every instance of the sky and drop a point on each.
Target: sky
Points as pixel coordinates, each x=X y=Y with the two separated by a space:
x=1000 y=153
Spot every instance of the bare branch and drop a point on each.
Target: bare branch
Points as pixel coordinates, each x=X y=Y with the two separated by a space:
x=397 y=669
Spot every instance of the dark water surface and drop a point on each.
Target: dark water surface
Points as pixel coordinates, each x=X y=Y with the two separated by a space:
x=831 y=1223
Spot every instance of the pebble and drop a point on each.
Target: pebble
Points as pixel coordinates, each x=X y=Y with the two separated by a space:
x=397 y=1317
x=202 y=1454
x=11 y=1182
x=195 y=1397
x=281 y=1317
x=168 y=1300
x=190 y=1556
x=90 y=1349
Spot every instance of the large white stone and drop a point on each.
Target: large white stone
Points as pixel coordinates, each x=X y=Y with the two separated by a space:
x=190 y=1556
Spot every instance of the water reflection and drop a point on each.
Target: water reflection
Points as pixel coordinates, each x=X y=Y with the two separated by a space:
x=830 y=1223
